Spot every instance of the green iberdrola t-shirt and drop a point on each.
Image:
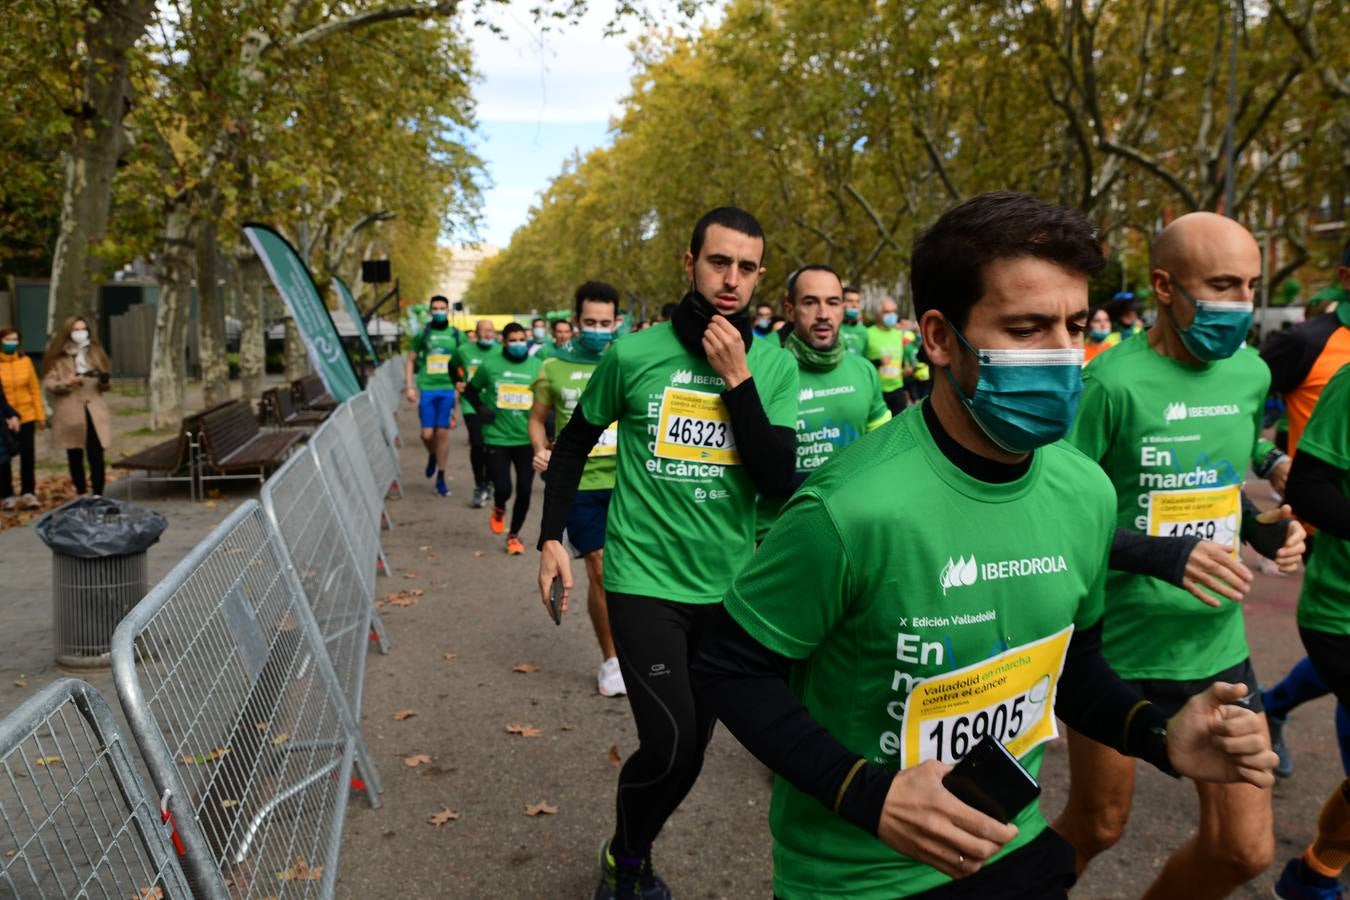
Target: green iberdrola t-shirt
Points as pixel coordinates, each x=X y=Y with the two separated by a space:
x=887 y=343
x=682 y=520
x=834 y=409
x=853 y=337
x=924 y=608
x=435 y=348
x=506 y=385
x=559 y=384
x=465 y=364
x=1175 y=440
x=1325 y=602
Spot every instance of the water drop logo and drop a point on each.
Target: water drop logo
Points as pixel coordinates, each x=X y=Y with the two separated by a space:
x=960 y=572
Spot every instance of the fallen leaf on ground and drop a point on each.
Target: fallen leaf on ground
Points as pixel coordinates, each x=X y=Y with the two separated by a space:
x=301 y=872
x=450 y=656
x=215 y=494
x=150 y=893
x=567 y=728
x=226 y=804
x=525 y=730
x=261 y=726
x=541 y=808
x=410 y=575
x=478 y=554
x=43 y=761
x=21 y=683
x=209 y=504
x=403 y=714
x=525 y=667
x=445 y=815
x=202 y=759
x=419 y=759
x=424 y=548
x=431 y=556
x=280 y=739
x=404 y=598
x=615 y=759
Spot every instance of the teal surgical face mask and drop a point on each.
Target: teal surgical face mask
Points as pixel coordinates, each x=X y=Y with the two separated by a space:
x=1024 y=399
x=539 y=335
x=10 y=346
x=517 y=350
x=440 y=318
x=1219 y=326
x=890 y=319
x=486 y=343
x=851 y=315
x=1099 y=336
x=595 y=339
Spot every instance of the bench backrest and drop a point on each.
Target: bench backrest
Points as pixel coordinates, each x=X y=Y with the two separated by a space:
x=227 y=429
x=311 y=388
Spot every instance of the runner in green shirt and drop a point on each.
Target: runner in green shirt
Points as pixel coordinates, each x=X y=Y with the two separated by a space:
x=705 y=416
x=941 y=580
x=1319 y=489
x=432 y=387
x=1174 y=420
x=886 y=351
x=464 y=364
x=557 y=388
x=853 y=333
x=839 y=396
x=501 y=390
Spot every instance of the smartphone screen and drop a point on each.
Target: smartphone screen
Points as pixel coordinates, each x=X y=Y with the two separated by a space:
x=990 y=779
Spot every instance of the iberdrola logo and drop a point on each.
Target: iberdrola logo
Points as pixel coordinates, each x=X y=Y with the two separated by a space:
x=806 y=394
x=1174 y=412
x=682 y=376
x=961 y=573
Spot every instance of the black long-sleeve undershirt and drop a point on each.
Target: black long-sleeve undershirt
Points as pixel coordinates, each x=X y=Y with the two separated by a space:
x=747 y=686
x=1315 y=492
x=768 y=452
x=565 y=467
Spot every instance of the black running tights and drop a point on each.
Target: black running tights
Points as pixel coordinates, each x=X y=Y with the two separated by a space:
x=656 y=640
x=500 y=462
x=477 y=450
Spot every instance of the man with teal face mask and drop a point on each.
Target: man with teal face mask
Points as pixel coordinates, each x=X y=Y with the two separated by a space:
x=886 y=350
x=1174 y=419
x=465 y=364
x=557 y=388
x=941 y=580
x=852 y=332
x=428 y=381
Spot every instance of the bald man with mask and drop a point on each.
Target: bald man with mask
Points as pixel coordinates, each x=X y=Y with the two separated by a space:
x=1174 y=420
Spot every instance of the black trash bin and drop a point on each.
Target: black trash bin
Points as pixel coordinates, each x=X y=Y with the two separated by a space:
x=98 y=572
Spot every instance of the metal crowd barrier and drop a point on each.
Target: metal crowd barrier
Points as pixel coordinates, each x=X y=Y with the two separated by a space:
x=343 y=462
x=75 y=817
x=382 y=457
x=239 y=716
x=301 y=506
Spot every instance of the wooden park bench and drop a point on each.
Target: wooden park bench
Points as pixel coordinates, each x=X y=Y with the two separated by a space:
x=232 y=445
x=278 y=408
x=311 y=394
x=174 y=459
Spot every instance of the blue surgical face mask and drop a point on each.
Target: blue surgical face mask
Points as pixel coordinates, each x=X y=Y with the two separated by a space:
x=517 y=350
x=851 y=315
x=539 y=335
x=890 y=319
x=486 y=343
x=1219 y=326
x=1024 y=399
x=595 y=339
x=10 y=346
x=763 y=324
x=1099 y=336
x=440 y=318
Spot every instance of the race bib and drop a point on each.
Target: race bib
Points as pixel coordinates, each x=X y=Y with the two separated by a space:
x=608 y=445
x=438 y=364
x=1211 y=514
x=514 y=396
x=1010 y=697
x=890 y=370
x=694 y=425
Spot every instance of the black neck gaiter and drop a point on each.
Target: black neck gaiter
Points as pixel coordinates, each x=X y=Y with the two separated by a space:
x=691 y=318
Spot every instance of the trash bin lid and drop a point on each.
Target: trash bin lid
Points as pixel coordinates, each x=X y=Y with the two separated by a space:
x=100 y=527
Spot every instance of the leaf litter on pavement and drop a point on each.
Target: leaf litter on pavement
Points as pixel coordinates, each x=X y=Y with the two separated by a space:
x=445 y=815
x=528 y=731
x=540 y=808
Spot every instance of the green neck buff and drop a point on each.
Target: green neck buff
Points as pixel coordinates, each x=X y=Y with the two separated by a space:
x=810 y=357
x=573 y=352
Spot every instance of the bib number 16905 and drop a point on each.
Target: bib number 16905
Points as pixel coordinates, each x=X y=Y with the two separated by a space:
x=949 y=739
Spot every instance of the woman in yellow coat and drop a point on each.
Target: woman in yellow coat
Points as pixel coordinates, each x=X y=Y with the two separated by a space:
x=19 y=381
x=75 y=372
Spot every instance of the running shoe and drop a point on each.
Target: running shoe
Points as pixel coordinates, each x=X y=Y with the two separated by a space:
x=625 y=882
x=431 y=464
x=28 y=501
x=440 y=485
x=610 y=678
x=9 y=504
x=1285 y=767
x=1297 y=882
x=513 y=546
x=498 y=521
x=477 y=501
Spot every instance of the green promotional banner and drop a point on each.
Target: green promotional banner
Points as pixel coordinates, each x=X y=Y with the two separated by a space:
x=350 y=302
x=296 y=286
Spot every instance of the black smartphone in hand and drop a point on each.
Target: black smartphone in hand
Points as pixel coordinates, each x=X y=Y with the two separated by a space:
x=990 y=779
x=555 y=599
